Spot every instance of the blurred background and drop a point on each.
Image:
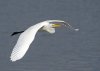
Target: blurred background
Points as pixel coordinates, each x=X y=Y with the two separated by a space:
x=65 y=50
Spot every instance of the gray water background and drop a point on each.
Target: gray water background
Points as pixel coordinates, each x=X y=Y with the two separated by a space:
x=63 y=51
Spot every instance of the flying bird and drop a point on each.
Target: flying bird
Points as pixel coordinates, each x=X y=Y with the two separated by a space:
x=26 y=37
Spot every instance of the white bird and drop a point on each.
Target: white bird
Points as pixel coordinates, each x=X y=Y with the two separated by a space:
x=27 y=36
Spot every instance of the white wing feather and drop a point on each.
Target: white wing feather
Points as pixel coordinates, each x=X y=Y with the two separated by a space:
x=24 y=41
x=49 y=28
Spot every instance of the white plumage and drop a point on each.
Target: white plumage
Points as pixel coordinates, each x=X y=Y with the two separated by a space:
x=24 y=41
x=26 y=38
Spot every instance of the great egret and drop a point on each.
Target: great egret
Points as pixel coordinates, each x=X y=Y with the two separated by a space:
x=27 y=36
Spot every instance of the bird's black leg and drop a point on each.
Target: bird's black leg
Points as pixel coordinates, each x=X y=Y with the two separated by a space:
x=14 y=33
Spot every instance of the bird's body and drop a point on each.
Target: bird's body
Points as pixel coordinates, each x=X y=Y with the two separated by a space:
x=27 y=36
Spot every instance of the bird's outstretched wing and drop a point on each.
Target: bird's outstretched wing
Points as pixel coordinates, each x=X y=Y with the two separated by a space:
x=24 y=41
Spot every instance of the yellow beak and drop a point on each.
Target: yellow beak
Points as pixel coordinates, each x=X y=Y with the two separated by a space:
x=56 y=25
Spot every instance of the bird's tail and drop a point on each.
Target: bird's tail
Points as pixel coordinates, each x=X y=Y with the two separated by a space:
x=14 y=33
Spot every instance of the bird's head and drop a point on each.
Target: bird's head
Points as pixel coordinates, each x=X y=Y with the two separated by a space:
x=59 y=23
